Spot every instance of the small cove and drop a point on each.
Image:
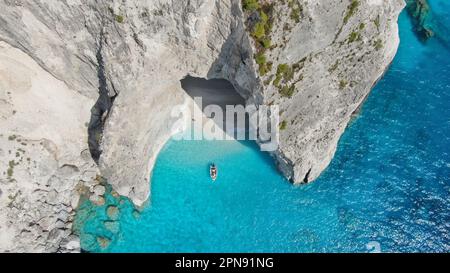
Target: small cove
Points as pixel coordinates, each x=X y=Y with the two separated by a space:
x=387 y=189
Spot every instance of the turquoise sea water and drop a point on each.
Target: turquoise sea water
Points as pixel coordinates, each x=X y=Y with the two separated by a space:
x=387 y=189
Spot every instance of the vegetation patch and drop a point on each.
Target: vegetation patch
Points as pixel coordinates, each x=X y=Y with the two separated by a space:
x=296 y=10
x=377 y=22
x=260 y=20
x=250 y=5
x=260 y=58
x=284 y=75
x=10 y=170
x=287 y=91
x=378 y=44
x=260 y=30
x=120 y=19
x=264 y=66
x=283 y=125
x=266 y=43
x=284 y=72
x=343 y=84
x=351 y=10
x=354 y=36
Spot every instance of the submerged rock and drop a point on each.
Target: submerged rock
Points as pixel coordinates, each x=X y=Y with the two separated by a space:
x=115 y=194
x=103 y=242
x=112 y=226
x=420 y=12
x=136 y=214
x=112 y=212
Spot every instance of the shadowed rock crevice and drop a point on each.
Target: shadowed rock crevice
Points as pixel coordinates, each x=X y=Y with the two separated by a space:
x=306 y=179
x=100 y=110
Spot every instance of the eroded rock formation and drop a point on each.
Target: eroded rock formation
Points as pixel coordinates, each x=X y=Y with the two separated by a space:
x=126 y=58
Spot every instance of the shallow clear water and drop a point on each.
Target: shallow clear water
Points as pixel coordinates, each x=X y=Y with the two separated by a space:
x=387 y=189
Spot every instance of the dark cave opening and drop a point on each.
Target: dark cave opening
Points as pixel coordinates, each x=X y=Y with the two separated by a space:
x=218 y=92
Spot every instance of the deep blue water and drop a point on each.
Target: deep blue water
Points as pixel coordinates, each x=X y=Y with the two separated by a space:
x=387 y=189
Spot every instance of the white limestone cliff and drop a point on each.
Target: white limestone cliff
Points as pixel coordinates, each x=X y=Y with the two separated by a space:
x=56 y=57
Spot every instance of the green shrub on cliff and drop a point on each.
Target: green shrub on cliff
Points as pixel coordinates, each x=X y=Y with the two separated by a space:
x=250 y=5
x=264 y=66
x=263 y=70
x=378 y=44
x=287 y=91
x=259 y=31
x=343 y=84
x=295 y=15
x=264 y=17
x=284 y=71
x=266 y=43
x=260 y=58
x=120 y=19
x=354 y=36
x=351 y=10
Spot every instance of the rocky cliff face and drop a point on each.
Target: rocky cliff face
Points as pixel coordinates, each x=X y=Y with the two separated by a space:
x=318 y=60
x=325 y=58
